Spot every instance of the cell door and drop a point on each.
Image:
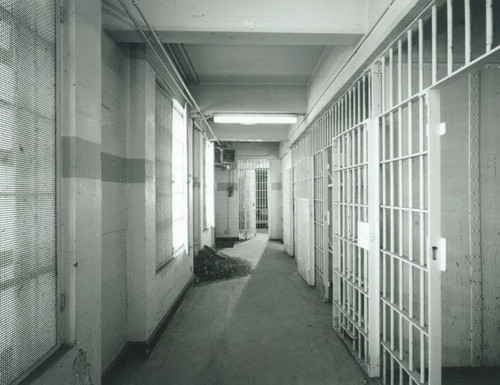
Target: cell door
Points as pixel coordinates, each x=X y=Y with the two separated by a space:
x=411 y=247
x=287 y=211
x=350 y=256
x=261 y=177
x=318 y=219
x=248 y=213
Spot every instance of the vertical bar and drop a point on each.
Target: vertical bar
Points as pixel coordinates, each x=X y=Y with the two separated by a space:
x=467 y=32
x=400 y=71
x=326 y=214
x=391 y=78
x=421 y=177
x=420 y=55
x=449 y=28
x=384 y=86
x=374 y=251
x=489 y=25
x=363 y=99
x=434 y=248
x=434 y=44
x=410 y=61
x=358 y=95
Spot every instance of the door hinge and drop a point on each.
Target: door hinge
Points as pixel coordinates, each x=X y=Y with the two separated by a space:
x=61 y=14
x=63 y=302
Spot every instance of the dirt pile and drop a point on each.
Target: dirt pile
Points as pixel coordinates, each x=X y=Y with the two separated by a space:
x=212 y=265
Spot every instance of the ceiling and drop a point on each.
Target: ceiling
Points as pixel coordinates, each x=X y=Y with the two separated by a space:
x=253 y=64
x=241 y=56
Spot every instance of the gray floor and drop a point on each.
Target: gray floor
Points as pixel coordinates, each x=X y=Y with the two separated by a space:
x=267 y=328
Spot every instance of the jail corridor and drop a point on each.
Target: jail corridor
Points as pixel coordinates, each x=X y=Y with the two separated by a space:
x=266 y=328
x=264 y=192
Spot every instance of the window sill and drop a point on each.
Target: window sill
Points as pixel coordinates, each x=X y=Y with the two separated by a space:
x=163 y=265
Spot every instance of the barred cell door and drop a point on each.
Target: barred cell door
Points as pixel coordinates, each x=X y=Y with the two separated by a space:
x=247 y=212
x=349 y=249
x=261 y=188
x=318 y=206
x=410 y=244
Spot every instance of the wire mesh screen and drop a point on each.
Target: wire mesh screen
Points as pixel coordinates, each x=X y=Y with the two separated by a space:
x=27 y=185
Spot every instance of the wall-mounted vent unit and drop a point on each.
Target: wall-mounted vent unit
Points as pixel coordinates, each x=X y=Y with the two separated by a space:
x=225 y=156
x=228 y=155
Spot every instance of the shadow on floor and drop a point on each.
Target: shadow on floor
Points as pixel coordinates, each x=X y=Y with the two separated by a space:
x=266 y=328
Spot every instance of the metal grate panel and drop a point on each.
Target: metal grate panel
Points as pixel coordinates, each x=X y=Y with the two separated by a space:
x=27 y=185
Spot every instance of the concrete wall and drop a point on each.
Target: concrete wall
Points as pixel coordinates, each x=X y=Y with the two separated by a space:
x=115 y=86
x=113 y=289
x=150 y=293
x=226 y=208
x=456 y=281
x=490 y=207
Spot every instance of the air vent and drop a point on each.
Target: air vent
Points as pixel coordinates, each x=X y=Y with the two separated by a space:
x=228 y=155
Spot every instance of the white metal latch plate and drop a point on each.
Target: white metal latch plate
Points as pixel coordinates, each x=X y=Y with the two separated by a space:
x=364 y=235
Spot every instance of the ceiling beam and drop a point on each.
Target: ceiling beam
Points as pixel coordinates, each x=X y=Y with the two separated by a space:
x=259 y=132
x=250 y=98
x=279 y=22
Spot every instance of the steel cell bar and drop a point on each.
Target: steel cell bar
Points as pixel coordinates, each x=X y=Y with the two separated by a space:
x=409 y=209
x=355 y=127
x=350 y=318
x=489 y=25
x=420 y=55
x=353 y=282
x=467 y=31
x=434 y=44
x=405 y=102
x=404 y=364
x=351 y=167
x=449 y=29
x=405 y=315
x=403 y=259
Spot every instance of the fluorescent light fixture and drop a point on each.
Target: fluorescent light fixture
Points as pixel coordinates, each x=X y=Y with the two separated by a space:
x=249 y=119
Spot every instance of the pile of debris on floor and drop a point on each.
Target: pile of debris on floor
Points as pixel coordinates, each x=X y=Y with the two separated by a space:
x=212 y=265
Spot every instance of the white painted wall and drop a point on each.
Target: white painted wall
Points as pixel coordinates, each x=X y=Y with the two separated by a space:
x=456 y=280
x=150 y=293
x=490 y=207
x=115 y=76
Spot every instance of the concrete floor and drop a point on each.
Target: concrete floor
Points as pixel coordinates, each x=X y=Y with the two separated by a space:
x=267 y=328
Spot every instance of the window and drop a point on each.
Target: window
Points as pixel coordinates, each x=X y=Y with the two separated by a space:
x=163 y=168
x=27 y=185
x=209 y=185
x=179 y=179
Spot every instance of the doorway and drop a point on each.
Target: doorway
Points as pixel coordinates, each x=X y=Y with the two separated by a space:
x=253 y=176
